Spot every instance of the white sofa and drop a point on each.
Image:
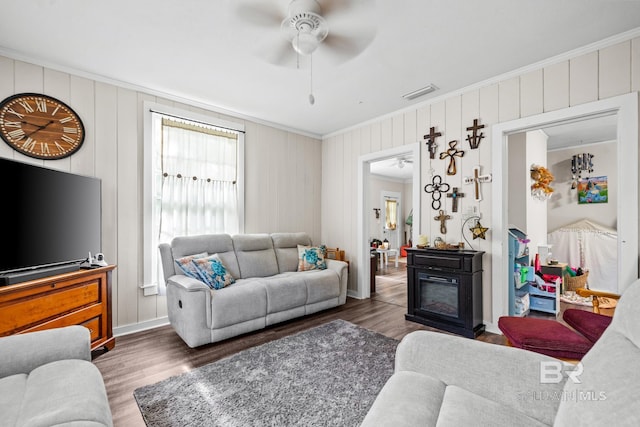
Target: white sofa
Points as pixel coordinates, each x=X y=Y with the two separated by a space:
x=269 y=288
x=447 y=380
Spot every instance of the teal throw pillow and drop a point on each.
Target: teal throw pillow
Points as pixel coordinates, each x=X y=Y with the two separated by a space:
x=186 y=266
x=311 y=258
x=213 y=272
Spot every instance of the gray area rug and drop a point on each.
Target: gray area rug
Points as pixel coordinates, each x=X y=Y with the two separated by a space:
x=326 y=376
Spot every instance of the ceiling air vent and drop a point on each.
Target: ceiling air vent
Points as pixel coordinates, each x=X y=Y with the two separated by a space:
x=416 y=93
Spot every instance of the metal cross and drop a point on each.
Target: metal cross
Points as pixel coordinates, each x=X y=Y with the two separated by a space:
x=436 y=188
x=431 y=141
x=442 y=218
x=474 y=138
x=454 y=195
x=476 y=179
x=452 y=153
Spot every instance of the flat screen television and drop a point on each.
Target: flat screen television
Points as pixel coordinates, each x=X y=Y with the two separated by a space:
x=50 y=222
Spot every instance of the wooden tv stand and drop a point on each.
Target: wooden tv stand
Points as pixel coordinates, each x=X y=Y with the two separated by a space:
x=78 y=298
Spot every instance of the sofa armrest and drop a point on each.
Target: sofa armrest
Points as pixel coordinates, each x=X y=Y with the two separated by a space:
x=187 y=283
x=338 y=266
x=342 y=268
x=506 y=375
x=22 y=353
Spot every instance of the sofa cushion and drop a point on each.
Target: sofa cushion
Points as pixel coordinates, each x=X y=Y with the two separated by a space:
x=255 y=254
x=187 y=268
x=311 y=258
x=220 y=244
x=463 y=408
x=11 y=393
x=286 y=248
x=66 y=392
x=243 y=301
x=212 y=271
x=407 y=399
x=322 y=285
x=284 y=292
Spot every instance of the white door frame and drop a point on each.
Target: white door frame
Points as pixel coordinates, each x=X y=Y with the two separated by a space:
x=364 y=172
x=625 y=107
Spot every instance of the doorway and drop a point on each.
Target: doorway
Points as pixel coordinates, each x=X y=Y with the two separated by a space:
x=625 y=109
x=367 y=214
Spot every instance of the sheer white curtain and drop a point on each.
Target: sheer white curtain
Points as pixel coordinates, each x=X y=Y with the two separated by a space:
x=198 y=175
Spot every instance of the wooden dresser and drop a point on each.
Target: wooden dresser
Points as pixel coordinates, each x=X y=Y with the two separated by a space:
x=78 y=298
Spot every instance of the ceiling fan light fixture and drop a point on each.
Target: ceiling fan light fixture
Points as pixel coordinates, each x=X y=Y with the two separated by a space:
x=417 y=93
x=305 y=43
x=304 y=27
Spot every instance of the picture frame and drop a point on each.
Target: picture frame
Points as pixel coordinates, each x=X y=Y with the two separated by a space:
x=592 y=190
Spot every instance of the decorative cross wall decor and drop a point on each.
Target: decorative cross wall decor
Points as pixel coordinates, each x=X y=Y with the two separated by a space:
x=475 y=138
x=442 y=218
x=431 y=141
x=436 y=188
x=454 y=195
x=476 y=179
x=452 y=153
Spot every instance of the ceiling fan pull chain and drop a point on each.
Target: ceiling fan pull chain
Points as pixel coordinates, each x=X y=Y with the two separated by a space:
x=298 y=53
x=312 y=100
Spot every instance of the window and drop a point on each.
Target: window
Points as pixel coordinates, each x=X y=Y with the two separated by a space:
x=195 y=168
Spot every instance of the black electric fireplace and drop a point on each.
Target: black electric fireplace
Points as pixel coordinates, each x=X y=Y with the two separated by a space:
x=445 y=290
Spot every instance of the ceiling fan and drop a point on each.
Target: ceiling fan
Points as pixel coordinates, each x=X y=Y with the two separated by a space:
x=401 y=162
x=330 y=27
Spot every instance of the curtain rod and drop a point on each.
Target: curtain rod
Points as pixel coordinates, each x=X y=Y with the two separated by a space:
x=195 y=121
x=195 y=178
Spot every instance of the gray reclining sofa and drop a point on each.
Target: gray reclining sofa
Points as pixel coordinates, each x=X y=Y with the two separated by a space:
x=268 y=287
x=447 y=380
x=47 y=379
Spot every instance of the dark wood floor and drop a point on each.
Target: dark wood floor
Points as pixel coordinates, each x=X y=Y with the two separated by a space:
x=147 y=357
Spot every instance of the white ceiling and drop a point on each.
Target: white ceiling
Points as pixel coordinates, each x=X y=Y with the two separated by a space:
x=583 y=132
x=221 y=53
x=397 y=168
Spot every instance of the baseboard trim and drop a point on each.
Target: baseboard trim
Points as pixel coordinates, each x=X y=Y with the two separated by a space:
x=353 y=294
x=490 y=327
x=139 y=327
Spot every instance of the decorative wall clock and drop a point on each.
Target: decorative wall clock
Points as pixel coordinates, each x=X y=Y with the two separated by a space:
x=40 y=126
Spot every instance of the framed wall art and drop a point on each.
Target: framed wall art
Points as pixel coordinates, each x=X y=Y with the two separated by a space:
x=593 y=190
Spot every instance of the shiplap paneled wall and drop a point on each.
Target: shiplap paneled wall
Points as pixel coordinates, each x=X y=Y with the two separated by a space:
x=282 y=173
x=599 y=74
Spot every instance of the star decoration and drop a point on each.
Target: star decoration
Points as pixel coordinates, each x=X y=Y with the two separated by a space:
x=479 y=231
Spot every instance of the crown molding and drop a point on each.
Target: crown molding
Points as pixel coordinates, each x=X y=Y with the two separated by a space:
x=175 y=97
x=592 y=47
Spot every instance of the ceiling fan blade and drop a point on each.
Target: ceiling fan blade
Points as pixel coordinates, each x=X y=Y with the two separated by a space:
x=281 y=54
x=332 y=7
x=259 y=13
x=344 y=48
